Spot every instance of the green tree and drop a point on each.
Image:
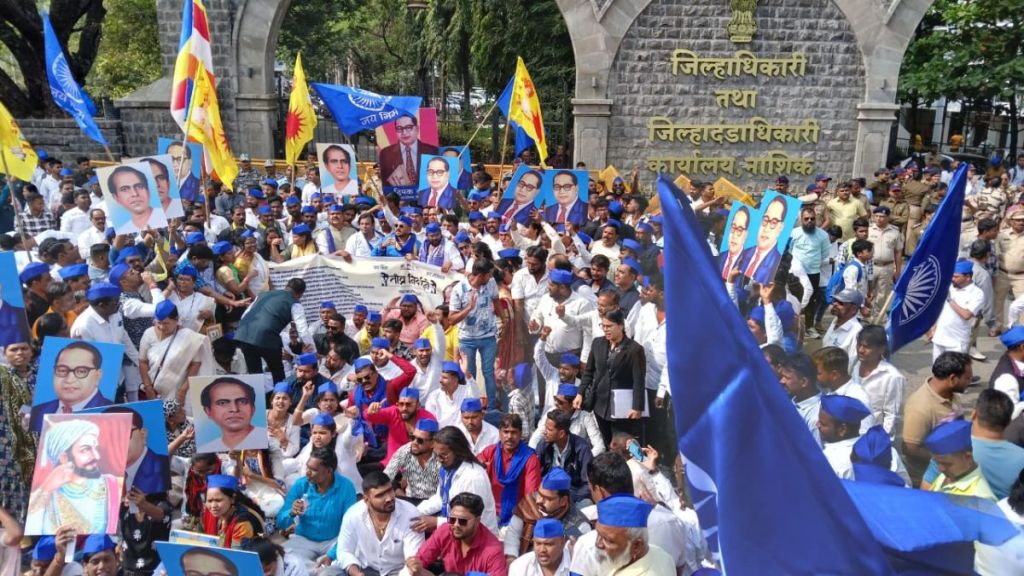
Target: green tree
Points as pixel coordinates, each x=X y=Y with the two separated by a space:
x=969 y=51
x=129 y=52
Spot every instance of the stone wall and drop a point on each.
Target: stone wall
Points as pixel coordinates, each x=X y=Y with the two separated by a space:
x=61 y=138
x=642 y=85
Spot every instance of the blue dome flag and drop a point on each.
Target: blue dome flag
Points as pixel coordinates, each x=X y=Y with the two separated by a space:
x=735 y=423
x=66 y=93
x=920 y=293
x=355 y=109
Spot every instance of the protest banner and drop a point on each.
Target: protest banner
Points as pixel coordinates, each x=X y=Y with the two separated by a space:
x=518 y=201
x=166 y=182
x=372 y=282
x=130 y=192
x=187 y=559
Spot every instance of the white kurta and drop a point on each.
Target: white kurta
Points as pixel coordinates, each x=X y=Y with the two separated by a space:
x=470 y=478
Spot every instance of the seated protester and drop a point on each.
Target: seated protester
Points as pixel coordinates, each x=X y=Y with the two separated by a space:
x=1000 y=461
x=194 y=513
x=581 y=423
x=306 y=373
x=567 y=372
x=460 y=472
x=336 y=368
x=49 y=552
x=400 y=243
x=874 y=450
x=549 y=555
x=376 y=533
x=400 y=419
x=391 y=331
x=799 y=377
x=520 y=396
x=834 y=378
x=318 y=328
x=327 y=402
x=371 y=388
x=236 y=519
x=411 y=317
x=343 y=441
x=416 y=465
x=100 y=557
x=279 y=420
x=512 y=466
x=260 y=468
x=479 y=433
x=334 y=336
x=359 y=315
x=364 y=337
x=562 y=449
x=181 y=437
x=275 y=560
x=552 y=502
x=950 y=445
x=839 y=426
x=623 y=525
x=315 y=505
x=464 y=544
x=438 y=251
x=624 y=444
x=446 y=401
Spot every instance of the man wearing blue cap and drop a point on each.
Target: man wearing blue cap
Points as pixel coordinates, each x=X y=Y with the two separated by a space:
x=438 y=251
x=446 y=401
x=333 y=238
x=400 y=419
x=557 y=318
x=950 y=446
x=1008 y=374
x=429 y=355
x=839 y=427
x=408 y=310
x=952 y=331
x=874 y=459
x=401 y=242
x=36 y=278
x=416 y=465
x=479 y=433
x=365 y=241
x=623 y=546
x=549 y=556
x=552 y=503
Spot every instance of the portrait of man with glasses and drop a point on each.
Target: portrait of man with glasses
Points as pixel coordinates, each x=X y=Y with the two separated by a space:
x=400 y=162
x=777 y=222
x=517 y=202
x=441 y=176
x=563 y=201
x=78 y=380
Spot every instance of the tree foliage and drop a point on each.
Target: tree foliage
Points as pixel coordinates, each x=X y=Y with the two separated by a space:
x=129 y=52
x=77 y=23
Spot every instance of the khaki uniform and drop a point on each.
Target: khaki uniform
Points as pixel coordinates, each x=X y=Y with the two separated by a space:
x=931 y=199
x=888 y=245
x=991 y=200
x=879 y=190
x=913 y=237
x=1011 y=271
x=913 y=192
x=899 y=212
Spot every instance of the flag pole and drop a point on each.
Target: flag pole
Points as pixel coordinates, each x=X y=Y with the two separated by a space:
x=504 y=144
x=188 y=123
x=478 y=127
x=880 y=314
x=109 y=154
x=14 y=202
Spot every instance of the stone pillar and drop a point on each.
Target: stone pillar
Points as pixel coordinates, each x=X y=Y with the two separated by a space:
x=874 y=125
x=590 y=144
x=256 y=119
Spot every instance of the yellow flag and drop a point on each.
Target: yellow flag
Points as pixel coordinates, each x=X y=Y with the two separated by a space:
x=204 y=126
x=683 y=183
x=18 y=155
x=608 y=176
x=301 y=116
x=524 y=108
x=725 y=188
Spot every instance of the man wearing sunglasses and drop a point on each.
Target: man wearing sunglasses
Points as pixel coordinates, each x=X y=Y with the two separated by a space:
x=76 y=379
x=463 y=544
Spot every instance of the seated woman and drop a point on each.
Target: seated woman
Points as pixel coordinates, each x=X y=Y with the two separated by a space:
x=169 y=354
x=234 y=517
x=279 y=420
x=258 y=471
x=347 y=446
x=195 y=517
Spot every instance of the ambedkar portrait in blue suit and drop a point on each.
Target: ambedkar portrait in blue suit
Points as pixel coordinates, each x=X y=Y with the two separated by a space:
x=439 y=174
x=761 y=260
x=566 y=203
x=76 y=376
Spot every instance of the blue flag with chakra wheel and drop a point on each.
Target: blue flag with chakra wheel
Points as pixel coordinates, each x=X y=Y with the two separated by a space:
x=355 y=109
x=920 y=293
x=66 y=93
x=767 y=499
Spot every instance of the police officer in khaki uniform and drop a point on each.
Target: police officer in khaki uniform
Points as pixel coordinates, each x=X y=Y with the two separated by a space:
x=992 y=199
x=915 y=231
x=899 y=210
x=888 y=256
x=880 y=185
x=1010 y=244
x=914 y=191
x=934 y=198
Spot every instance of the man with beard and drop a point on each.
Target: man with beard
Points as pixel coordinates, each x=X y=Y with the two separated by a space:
x=439 y=252
x=463 y=544
x=375 y=535
x=75 y=492
x=331 y=240
x=623 y=546
x=416 y=465
x=551 y=503
x=809 y=245
x=512 y=467
x=410 y=313
x=363 y=243
x=400 y=419
x=549 y=555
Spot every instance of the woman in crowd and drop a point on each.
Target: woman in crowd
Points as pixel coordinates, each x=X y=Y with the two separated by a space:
x=234 y=517
x=346 y=444
x=195 y=309
x=231 y=282
x=249 y=259
x=181 y=436
x=616 y=367
x=17 y=444
x=511 y=327
x=279 y=420
x=169 y=354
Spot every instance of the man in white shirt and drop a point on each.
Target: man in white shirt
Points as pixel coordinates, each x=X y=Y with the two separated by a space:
x=479 y=433
x=362 y=243
x=799 y=378
x=94 y=234
x=952 y=331
x=446 y=402
x=376 y=532
x=549 y=555
x=101 y=322
x=834 y=378
x=1005 y=375
x=76 y=220
x=839 y=426
x=842 y=333
x=883 y=382
x=530 y=283
x=561 y=309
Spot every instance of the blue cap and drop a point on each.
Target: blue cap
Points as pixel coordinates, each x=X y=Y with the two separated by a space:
x=32 y=271
x=222 y=481
x=283 y=388
x=67 y=172
x=874 y=447
x=129 y=252
x=615 y=207
x=263 y=210
x=405 y=220
x=380 y=342
x=328 y=198
x=409 y=392
x=409 y=299
x=844 y=408
x=247 y=233
x=570 y=359
x=567 y=390
x=335 y=208
x=187 y=269
x=327 y=305
x=380 y=215
x=657 y=219
x=559 y=276
x=222 y=247
x=949 y=438
x=327 y=388
x=413 y=210
x=557 y=479
x=45 y=549
x=361 y=363
x=360 y=308
x=315 y=196
x=73 y=271
x=548 y=528
x=308 y=210
x=256 y=193
x=109 y=232
x=630 y=244
x=270 y=182
x=454 y=368
x=644 y=226
x=632 y=265
x=96 y=543
x=756 y=314
x=623 y=511
x=432 y=228
x=472 y=405
x=475 y=215
x=42 y=154
x=1013 y=337
x=361 y=199
x=194 y=238
x=427 y=425
x=963 y=267
x=373 y=317
x=875 y=474
x=584 y=238
x=503 y=228
x=522 y=374
x=164 y=309
x=613 y=223
x=508 y=253
x=323 y=419
x=292 y=201
x=819 y=176
x=477 y=195
x=200 y=199
x=461 y=236
x=300 y=229
x=117 y=272
x=421 y=344
x=307 y=359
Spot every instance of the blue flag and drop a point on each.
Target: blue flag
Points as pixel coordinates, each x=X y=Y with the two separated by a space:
x=920 y=293
x=65 y=91
x=768 y=501
x=355 y=109
x=523 y=140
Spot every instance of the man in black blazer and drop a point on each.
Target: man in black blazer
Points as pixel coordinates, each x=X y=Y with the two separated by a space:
x=616 y=363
